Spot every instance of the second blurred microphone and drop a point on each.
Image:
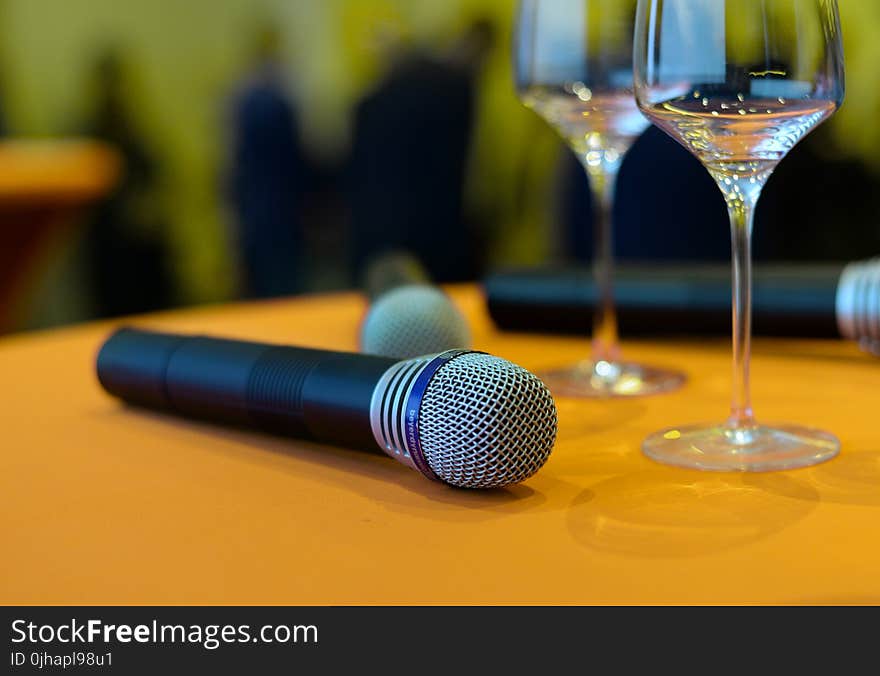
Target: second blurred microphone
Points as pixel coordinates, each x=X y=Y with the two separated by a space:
x=408 y=317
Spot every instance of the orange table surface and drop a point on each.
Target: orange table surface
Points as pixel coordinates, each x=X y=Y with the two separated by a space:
x=106 y=505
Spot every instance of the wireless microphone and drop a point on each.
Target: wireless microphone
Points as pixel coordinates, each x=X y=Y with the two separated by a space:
x=807 y=301
x=464 y=418
x=408 y=317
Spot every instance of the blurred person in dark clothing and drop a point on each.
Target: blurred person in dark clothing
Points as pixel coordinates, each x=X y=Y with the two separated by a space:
x=666 y=207
x=819 y=205
x=267 y=176
x=128 y=259
x=411 y=144
x=816 y=207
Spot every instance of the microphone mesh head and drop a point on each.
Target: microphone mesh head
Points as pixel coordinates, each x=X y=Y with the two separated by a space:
x=412 y=321
x=485 y=422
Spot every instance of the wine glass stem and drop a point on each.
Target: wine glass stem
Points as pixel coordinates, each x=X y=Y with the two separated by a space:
x=603 y=181
x=741 y=222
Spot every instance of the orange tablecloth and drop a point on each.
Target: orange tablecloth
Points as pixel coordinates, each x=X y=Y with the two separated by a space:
x=104 y=505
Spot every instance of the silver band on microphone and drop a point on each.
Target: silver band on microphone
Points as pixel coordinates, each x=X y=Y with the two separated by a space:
x=858 y=304
x=394 y=409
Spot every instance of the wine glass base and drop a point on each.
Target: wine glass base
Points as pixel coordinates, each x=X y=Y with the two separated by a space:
x=755 y=449
x=610 y=379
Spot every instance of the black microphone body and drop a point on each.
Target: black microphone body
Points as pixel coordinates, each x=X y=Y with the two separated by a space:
x=428 y=413
x=391 y=270
x=310 y=394
x=686 y=299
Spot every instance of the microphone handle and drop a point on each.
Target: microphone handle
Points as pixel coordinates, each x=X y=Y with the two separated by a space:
x=304 y=393
x=392 y=270
x=657 y=300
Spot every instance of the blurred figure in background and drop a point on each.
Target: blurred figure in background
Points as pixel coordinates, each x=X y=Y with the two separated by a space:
x=267 y=176
x=410 y=152
x=129 y=266
x=818 y=206
x=666 y=207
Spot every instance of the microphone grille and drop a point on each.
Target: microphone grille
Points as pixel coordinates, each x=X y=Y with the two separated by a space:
x=412 y=321
x=485 y=422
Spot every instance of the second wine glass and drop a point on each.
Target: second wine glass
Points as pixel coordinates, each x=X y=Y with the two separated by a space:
x=573 y=64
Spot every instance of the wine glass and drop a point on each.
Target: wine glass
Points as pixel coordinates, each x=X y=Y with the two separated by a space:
x=573 y=63
x=754 y=77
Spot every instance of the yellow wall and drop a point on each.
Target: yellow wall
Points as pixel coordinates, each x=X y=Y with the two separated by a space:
x=188 y=53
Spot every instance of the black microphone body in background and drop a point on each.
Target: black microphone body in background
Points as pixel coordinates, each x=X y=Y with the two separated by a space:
x=392 y=270
x=668 y=300
x=308 y=394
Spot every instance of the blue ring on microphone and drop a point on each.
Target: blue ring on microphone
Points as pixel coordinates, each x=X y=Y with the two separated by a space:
x=414 y=402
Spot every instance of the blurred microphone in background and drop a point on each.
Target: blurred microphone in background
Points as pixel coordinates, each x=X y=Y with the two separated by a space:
x=408 y=317
x=806 y=301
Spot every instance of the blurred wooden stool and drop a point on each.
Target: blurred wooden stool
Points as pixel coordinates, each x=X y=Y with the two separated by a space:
x=44 y=184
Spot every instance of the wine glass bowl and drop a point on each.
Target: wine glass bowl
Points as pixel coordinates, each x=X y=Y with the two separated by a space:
x=573 y=67
x=754 y=77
